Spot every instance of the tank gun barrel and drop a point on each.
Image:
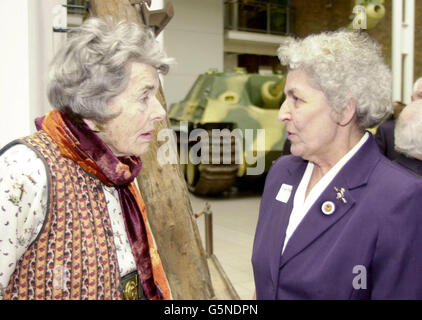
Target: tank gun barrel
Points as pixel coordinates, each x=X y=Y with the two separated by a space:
x=272 y=93
x=277 y=87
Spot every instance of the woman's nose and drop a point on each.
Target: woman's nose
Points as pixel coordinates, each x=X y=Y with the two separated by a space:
x=284 y=112
x=159 y=113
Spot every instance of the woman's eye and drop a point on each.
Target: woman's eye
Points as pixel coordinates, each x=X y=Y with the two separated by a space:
x=144 y=99
x=297 y=99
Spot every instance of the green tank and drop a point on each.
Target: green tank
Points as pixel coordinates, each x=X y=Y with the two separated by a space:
x=244 y=104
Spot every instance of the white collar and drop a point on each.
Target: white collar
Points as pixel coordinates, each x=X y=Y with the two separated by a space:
x=302 y=205
x=329 y=176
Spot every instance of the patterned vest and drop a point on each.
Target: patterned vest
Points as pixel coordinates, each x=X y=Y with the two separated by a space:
x=74 y=256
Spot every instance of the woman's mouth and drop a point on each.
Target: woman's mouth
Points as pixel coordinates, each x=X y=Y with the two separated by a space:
x=148 y=135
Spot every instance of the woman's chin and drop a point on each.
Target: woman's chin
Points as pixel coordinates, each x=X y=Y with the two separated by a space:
x=141 y=150
x=294 y=150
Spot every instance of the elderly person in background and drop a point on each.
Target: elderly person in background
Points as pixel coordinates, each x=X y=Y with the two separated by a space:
x=73 y=224
x=385 y=132
x=337 y=219
x=408 y=137
x=417 y=90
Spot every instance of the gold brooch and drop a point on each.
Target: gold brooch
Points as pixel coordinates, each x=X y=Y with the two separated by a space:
x=340 y=194
x=130 y=290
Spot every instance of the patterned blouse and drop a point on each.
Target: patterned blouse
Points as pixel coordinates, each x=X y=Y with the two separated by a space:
x=23 y=207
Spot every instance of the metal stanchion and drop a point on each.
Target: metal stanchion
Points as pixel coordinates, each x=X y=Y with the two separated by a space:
x=209 y=249
x=222 y=285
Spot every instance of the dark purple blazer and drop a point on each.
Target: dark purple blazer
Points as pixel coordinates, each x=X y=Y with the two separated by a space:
x=376 y=236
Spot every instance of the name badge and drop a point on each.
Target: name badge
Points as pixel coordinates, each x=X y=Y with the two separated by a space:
x=284 y=193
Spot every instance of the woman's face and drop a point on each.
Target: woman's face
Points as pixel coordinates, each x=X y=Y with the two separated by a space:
x=308 y=117
x=130 y=133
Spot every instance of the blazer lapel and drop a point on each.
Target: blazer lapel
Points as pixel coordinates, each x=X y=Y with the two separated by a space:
x=316 y=222
x=280 y=213
x=353 y=175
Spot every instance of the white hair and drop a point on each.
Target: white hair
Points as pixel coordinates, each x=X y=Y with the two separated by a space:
x=408 y=129
x=416 y=85
x=344 y=64
x=92 y=67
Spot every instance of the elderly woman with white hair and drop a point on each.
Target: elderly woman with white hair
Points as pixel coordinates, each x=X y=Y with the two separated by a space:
x=337 y=219
x=73 y=224
x=408 y=137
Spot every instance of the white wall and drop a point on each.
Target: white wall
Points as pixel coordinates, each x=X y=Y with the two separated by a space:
x=195 y=38
x=27 y=47
x=14 y=66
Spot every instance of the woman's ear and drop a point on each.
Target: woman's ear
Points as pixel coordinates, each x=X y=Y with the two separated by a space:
x=349 y=113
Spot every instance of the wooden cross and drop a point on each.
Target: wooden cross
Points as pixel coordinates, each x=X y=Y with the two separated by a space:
x=156 y=19
x=162 y=186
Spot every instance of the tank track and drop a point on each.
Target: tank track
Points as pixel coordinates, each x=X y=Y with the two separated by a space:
x=213 y=179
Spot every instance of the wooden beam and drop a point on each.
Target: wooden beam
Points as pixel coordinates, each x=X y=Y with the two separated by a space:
x=167 y=200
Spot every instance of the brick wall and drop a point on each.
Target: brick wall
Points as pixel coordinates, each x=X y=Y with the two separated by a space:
x=321 y=15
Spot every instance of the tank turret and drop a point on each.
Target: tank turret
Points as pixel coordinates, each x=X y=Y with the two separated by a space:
x=227 y=128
